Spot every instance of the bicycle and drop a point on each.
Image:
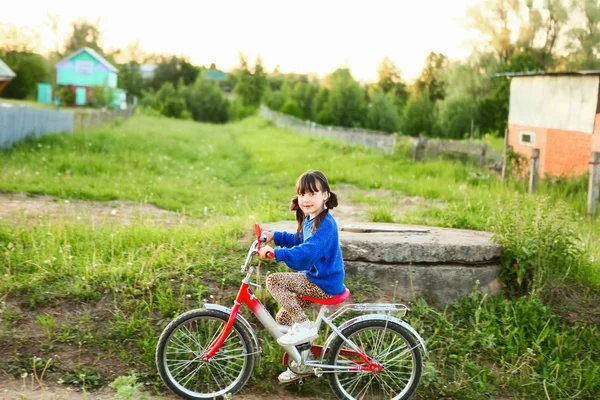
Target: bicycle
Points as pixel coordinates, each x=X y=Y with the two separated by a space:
x=210 y=352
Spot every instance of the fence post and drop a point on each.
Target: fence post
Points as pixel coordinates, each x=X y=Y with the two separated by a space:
x=594 y=187
x=420 y=147
x=504 y=160
x=483 y=152
x=535 y=167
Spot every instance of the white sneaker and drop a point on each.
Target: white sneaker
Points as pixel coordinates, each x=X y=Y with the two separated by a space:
x=298 y=334
x=289 y=376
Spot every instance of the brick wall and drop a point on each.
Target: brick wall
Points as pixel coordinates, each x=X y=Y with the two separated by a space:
x=568 y=152
x=561 y=152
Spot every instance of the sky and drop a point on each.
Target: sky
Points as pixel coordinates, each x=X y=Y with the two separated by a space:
x=300 y=36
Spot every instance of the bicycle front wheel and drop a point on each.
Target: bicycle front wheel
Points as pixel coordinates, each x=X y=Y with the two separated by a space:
x=183 y=343
x=385 y=342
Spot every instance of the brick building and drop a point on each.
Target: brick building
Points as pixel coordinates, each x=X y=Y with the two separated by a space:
x=558 y=113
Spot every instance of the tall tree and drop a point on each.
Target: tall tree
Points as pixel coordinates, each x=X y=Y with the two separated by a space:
x=250 y=86
x=491 y=19
x=585 y=39
x=390 y=81
x=174 y=69
x=84 y=34
x=431 y=78
x=130 y=79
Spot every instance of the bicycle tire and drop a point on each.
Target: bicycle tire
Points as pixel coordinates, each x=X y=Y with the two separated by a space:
x=344 y=384
x=180 y=348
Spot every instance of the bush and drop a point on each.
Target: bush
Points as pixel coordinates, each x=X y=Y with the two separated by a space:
x=206 y=101
x=238 y=111
x=291 y=107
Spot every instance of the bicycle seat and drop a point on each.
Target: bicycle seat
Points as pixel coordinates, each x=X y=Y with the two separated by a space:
x=340 y=298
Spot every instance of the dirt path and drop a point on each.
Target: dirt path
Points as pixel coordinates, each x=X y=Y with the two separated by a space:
x=14 y=206
x=26 y=390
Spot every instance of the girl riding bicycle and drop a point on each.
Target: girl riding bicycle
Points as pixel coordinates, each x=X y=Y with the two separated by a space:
x=313 y=249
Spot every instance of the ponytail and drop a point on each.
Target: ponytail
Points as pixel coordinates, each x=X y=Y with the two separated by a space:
x=331 y=203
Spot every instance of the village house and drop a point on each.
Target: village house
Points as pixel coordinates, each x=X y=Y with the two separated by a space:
x=6 y=75
x=557 y=113
x=85 y=69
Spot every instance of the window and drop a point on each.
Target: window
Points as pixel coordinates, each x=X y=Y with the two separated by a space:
x=528 y=138
x=84 y=67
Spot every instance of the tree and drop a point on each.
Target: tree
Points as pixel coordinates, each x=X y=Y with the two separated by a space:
x=321 y=106
x=291 y=107
x=346 y=104
x=456 y=115
x=251 y=86
x=19 y=39
x=419 y=115
x=130 y=79
x=537 y=25
x=169 y=102
x=431 y=78
x=382 y=113
x=304 y=94
x=84 y=34
x=491 y=19
x=390 y=81
x=30 y=69
x=174 y=69
x=585 y=40
x=206 y=101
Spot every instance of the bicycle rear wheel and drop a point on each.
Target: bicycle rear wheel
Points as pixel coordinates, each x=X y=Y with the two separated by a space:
x=387 y=343
x=183 y=343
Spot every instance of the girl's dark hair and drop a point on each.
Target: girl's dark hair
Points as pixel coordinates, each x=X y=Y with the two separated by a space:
x=312 y=182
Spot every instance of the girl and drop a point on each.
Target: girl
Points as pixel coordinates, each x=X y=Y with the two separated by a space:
x=313 y=249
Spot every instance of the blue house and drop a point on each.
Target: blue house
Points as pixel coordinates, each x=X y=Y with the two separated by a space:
x=84 y=70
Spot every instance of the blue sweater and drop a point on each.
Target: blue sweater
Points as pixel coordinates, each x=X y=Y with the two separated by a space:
x=319 y=255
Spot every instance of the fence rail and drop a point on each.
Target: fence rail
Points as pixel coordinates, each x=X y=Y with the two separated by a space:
x=18 y=123
x=422 y=147
x=368 y=138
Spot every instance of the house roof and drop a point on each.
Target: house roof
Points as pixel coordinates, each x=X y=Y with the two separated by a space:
x=542 y=73
x=6 y=74
x=215 y=74
x=94 y=54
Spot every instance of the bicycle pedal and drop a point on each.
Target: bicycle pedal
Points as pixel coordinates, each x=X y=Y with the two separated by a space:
x=301 y=378
x=304 y=346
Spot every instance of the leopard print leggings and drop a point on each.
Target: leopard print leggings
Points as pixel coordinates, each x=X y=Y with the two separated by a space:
x=285 y=288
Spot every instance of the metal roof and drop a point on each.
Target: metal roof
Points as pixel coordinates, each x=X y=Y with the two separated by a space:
x=95 y=55
x=6 y=73
x=543 y=73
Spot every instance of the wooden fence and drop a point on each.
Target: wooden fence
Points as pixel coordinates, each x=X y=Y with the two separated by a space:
x=425 y=148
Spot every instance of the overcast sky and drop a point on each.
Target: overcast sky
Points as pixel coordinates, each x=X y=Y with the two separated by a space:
x=301 y=36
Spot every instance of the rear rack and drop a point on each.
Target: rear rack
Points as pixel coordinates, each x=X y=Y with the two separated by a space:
x=379 y=308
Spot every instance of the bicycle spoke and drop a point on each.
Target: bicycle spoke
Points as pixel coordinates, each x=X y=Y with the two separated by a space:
x=189 y=341
x=386 y=347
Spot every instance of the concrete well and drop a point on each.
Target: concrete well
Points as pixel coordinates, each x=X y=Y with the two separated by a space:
x=410 y=261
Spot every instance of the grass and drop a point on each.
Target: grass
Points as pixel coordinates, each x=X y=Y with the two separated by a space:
x=102 y=291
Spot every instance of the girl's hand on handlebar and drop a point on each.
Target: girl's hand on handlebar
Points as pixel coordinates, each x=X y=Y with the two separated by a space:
x=266 y=252
x=267 y=235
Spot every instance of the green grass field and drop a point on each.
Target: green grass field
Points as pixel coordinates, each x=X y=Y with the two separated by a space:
x=99 y=292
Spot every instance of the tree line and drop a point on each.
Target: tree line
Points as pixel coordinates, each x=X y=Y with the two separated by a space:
x=449 y=99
